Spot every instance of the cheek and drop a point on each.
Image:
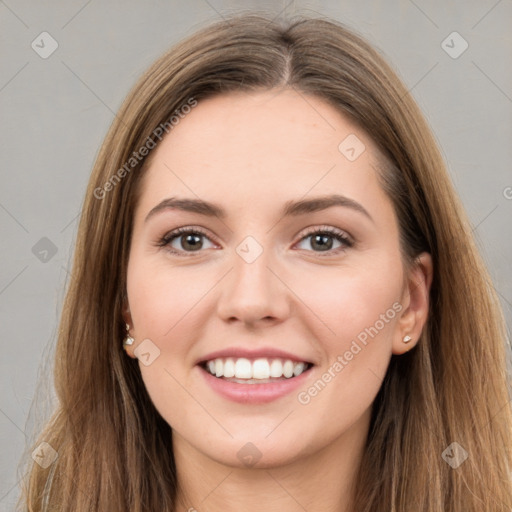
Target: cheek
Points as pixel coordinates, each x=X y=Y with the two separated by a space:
x=358 y=317
x=161 y=295
x=351 y=302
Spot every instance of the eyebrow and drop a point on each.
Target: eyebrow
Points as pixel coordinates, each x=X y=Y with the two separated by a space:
x=291 y=208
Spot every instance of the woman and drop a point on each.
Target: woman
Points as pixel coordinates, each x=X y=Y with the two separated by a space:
x=271 y=235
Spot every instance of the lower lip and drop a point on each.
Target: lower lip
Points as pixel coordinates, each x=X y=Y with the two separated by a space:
x=254 y=393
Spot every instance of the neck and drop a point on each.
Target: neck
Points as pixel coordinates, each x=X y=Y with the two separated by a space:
x=323 y=480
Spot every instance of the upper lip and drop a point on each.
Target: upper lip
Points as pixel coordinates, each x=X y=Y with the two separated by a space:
x=237 y=352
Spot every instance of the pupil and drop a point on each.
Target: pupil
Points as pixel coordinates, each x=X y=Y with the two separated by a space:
x=322 y=241
x=323 y=245
x=193 y=245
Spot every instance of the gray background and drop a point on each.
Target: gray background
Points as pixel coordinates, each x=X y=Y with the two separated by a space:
x=56 y=111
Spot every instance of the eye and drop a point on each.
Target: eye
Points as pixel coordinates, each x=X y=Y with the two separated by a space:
x=322 y=240
x=190 y=240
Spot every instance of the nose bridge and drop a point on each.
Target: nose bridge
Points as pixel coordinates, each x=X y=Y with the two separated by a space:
x=252 y=291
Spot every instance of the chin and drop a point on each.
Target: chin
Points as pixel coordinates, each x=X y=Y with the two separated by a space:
x=256 y=452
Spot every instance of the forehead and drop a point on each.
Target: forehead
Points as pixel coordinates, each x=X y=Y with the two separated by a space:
x=259 y=146
x=278 y=121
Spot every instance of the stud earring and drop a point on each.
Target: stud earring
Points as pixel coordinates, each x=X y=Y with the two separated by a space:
x=128 y=340
x=406 y=339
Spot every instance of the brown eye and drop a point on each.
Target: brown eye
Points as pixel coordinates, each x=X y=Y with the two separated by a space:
x=184 y=240
x=324 y=239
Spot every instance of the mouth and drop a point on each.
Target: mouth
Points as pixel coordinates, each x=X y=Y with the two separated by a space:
x=259 y=370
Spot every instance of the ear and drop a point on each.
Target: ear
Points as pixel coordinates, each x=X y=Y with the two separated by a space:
x=127 y=318
x=415 y=302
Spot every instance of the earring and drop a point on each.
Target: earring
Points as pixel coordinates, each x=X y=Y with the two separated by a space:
x=406 y=339
x=128 y=340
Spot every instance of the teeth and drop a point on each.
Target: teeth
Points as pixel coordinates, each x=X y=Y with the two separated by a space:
x=243 y=369
x=276 y=368
x=288 y=369
x=298 y=368
x=229 y=368
x=218 y=367
x=260 y=369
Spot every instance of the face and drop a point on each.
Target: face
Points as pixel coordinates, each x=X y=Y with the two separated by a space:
x=271 y=276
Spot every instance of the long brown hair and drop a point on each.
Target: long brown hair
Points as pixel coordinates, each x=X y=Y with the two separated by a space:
x=115 y=450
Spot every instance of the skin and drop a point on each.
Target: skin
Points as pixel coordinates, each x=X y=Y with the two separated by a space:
x=251 y=153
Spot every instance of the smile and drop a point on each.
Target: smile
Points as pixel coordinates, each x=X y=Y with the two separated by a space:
x=254 y=381
x=257 y=371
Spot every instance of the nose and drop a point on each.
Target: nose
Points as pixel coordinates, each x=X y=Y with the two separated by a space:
x=254 y=293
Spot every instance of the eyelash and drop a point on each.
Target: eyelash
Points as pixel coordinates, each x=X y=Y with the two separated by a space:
x=335 y=233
